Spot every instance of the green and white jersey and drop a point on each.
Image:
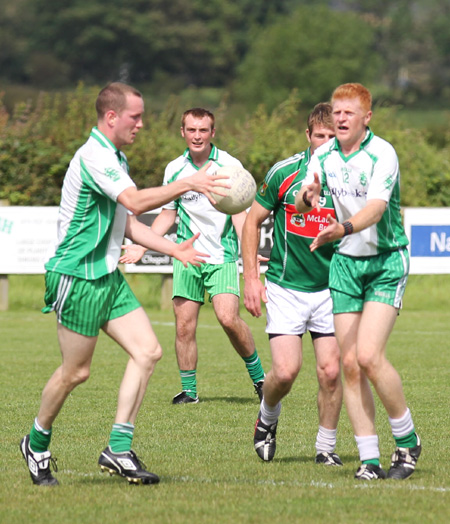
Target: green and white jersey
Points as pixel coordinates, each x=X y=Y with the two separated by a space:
x=292 y=265
x=218 y=237
x=372 y=172
x=91 y=224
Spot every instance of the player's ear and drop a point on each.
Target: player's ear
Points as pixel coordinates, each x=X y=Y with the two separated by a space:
x=213 y=132
x=182 y=131
x=110 y=117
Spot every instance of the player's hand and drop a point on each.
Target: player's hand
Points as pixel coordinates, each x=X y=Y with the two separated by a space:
x=332 y=232
x=186 y=253
x=133 y=253
x=254 y=292
x=313 y=192
x=204 y=183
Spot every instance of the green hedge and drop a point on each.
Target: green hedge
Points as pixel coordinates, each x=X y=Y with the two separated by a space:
x=37 y=143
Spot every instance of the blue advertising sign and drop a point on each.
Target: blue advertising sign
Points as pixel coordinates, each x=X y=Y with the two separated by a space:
x=430 y=241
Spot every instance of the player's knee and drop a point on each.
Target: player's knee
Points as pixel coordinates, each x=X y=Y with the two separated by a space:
x=329 y=376
x=73 y=378
x=151 y=355
x=351 y=368
x=284 y=378
x=369 y=362
x=229 y=322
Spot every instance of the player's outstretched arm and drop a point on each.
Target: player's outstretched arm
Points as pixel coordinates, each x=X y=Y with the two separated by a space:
x=144 y=236
x=369 y=215
x=254 y=290
x=162 y=223
x=141 y=200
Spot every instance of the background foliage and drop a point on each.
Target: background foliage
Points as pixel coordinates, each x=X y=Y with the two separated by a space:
x=37 y=143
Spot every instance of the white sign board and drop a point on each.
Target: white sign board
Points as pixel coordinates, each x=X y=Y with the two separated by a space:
x=26 y=234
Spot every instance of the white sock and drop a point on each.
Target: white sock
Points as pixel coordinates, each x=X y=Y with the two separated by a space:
x=326 y=440
x=402 y=426
x=269 y=414
x=368 y=447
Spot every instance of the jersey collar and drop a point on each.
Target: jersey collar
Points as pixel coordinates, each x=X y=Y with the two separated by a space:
x=106 y=142
x=213 y=155
x=367 y=139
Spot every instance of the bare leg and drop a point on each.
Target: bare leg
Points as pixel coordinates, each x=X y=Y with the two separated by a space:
x=186 y=318
x=135 y=334
x=76 y=351
x=286 y=363
x=329 y=397
x=226 y=307
x=357 y=393
x=376 y=325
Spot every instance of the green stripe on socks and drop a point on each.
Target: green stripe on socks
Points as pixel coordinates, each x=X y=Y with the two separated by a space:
x=254 y=367
x=121 y=437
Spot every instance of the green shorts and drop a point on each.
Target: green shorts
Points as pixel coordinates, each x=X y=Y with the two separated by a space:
x=84 y=306
x=191 y=282
x=380 y=278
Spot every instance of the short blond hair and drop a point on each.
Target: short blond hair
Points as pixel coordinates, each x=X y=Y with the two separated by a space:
x=353 y=90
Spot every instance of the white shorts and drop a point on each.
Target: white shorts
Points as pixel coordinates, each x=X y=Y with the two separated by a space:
x=291 y=312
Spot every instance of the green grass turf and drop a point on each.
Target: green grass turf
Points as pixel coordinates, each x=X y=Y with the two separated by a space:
x=204 y=453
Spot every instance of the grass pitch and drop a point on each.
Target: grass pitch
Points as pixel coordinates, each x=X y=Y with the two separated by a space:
x=204 y=453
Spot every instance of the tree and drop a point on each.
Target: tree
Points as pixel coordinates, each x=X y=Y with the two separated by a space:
x=313 y=49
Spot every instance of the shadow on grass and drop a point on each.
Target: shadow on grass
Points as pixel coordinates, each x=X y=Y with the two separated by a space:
x=310 y=458
x=230 y=400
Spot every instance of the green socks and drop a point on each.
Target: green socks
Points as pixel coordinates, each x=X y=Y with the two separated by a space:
x=254 y=367
x=189 y=376
x=39 y=438
x=189 y=381
x=375 y=462
x=409 y=441
x=121 y=437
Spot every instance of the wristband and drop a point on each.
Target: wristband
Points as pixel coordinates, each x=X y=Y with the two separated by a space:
x=348 y=228
x=306 y=201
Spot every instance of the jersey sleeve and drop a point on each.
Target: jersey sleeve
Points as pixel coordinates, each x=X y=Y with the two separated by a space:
x=386 y=172
x=267 y=194
x=104 y=174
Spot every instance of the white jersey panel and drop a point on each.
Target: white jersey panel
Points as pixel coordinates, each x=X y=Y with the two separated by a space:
x=91 y=224
x=196 y=210
x=370 y=173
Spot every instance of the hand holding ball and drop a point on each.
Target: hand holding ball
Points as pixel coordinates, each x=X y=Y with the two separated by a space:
x=241 y=193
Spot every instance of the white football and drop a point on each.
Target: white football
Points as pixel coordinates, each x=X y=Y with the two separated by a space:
x=241 y=193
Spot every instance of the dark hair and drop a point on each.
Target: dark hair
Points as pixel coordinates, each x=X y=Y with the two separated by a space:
x=321 y=116
x=198 y=112
x=114 y=97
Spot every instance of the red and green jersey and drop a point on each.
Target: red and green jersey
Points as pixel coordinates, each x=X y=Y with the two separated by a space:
x=292 y=265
